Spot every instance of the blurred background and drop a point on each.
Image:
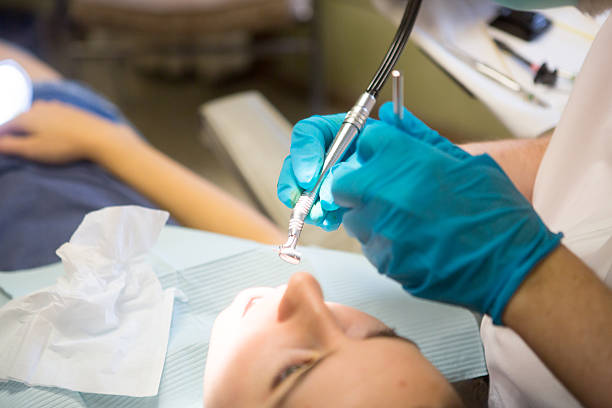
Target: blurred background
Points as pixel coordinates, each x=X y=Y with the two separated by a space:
x=160 y=60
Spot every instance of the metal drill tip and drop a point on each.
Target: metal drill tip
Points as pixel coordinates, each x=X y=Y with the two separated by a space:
x=287 y=251
x=289 y=255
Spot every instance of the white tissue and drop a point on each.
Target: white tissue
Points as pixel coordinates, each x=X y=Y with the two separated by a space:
x=103 y=327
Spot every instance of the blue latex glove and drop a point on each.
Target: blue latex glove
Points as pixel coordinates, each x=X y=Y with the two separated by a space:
x=448 y=226
x=309 y=141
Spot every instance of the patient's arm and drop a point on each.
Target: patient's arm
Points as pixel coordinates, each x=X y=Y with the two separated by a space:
x=60 y=133
x=563 y=311
x=36 y=69
x=520 y=159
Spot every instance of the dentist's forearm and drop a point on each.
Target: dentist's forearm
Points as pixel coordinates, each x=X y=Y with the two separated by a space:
x=192 y=201
x=519 y=158
x=563 y=311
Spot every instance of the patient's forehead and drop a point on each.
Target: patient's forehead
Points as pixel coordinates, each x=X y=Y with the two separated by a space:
x=374 y=372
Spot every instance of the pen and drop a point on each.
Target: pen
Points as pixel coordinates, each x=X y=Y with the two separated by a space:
x=542 y=73
x=498 y=77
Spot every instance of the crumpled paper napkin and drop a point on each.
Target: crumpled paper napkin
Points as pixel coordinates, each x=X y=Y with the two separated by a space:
x=104 y=326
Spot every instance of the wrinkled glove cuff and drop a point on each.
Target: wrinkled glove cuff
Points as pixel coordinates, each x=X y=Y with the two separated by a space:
x=550 y=242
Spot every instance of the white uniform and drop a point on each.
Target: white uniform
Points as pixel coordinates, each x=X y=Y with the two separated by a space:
x=572 y=194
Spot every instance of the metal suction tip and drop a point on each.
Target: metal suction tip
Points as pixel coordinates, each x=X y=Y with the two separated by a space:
x=289 y=255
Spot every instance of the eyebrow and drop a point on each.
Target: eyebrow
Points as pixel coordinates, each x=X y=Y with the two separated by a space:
x=390 y=333
x=386 y=332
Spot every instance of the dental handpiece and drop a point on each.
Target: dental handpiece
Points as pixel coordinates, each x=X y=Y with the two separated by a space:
x=353 y=123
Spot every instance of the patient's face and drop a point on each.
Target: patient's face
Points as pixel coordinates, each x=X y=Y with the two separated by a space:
x=285 y=346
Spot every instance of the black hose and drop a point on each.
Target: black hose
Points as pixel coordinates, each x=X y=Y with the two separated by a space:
x=396 y=48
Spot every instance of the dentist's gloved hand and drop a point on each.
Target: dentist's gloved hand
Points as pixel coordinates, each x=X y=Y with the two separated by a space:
x=310 y=139
x=448 y=226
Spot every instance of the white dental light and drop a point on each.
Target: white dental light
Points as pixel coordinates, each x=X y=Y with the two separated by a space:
x=15 y=90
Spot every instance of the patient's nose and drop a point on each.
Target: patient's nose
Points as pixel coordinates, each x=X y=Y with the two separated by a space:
x=303 y=301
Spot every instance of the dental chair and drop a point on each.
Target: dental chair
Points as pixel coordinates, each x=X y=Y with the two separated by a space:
x=188 y=17
x=214 y=38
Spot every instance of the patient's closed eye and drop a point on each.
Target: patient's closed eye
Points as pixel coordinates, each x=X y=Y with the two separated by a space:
x=288 y=371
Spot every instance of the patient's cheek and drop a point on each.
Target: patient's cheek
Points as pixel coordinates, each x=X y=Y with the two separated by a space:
x=220 y=342
x=355 y=323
